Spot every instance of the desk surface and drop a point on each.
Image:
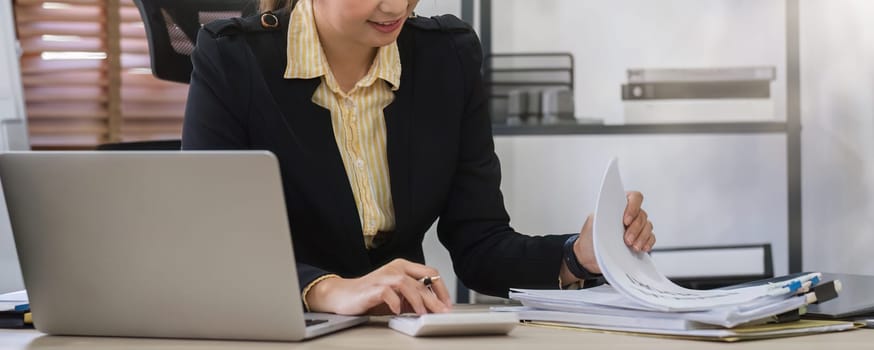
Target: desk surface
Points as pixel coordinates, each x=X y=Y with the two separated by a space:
x=376 y=335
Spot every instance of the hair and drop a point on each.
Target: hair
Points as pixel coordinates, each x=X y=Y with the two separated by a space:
x=274 y=5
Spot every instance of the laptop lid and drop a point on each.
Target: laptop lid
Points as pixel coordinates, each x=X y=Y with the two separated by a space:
x=154 y=244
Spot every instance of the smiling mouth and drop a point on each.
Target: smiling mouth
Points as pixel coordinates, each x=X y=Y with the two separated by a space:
x=387 y=23
x=386 y=26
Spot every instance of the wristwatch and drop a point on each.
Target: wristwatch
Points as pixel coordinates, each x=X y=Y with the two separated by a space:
x=573 y=264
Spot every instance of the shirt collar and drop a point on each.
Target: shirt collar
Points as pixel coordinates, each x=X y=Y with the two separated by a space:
x=306 y=59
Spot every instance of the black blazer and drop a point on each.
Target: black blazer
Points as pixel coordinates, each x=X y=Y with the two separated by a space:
x=439 y=144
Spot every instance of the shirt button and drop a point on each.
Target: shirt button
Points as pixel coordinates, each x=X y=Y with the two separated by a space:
x=350 y=104
x=359 y=163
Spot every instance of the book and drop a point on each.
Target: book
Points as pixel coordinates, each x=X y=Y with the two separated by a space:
x=647 y=75
x=697 y=90
x=698 y=111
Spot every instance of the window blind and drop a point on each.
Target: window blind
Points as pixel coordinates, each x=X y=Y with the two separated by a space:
x=87 y=77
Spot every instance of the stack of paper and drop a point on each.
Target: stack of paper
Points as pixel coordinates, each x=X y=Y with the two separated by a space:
x=641 y=299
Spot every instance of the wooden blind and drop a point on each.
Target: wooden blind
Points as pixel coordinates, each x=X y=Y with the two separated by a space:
x=87 y=78
x=64 y=71
x=150 y=108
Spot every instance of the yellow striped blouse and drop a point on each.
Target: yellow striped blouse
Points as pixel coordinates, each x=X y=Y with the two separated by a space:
x=357 y=116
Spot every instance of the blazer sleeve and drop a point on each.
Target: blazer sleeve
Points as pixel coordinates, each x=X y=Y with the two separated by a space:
x=216 y=113
x=488 y=255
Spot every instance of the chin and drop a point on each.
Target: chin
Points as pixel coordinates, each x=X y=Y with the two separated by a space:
x=385 y=41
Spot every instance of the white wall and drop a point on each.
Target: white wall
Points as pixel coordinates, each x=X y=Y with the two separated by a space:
x=837 y=48
x=699 y=189
x=439 y=7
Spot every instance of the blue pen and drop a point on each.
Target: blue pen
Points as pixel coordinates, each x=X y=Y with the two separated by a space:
x=22 y=307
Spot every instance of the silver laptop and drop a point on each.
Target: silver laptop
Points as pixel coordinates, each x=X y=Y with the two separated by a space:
x=157 y=244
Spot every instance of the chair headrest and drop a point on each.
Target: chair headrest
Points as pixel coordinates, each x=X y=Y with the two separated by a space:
x=171 y=30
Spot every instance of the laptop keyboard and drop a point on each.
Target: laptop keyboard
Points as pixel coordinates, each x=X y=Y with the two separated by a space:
x=312 y=322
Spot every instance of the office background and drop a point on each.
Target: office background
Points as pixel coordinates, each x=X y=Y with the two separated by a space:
x=701 y=189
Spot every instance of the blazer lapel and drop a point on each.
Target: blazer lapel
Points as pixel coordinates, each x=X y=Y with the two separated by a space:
x=306 y=127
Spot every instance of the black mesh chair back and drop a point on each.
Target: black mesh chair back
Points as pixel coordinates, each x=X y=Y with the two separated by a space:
x=171 y=29
x=158 y=145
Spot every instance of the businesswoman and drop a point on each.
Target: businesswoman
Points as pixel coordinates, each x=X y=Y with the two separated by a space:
x=379 y=122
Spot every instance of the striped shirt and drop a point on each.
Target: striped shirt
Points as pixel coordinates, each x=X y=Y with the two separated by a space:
x=356 y=116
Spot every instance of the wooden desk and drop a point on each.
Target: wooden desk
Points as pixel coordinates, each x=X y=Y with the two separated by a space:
x=376 y=335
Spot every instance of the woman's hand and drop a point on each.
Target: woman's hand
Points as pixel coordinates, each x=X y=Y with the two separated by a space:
x=638 y=235
x=393 y=288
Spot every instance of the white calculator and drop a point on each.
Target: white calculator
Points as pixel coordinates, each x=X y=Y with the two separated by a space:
x=461 y=323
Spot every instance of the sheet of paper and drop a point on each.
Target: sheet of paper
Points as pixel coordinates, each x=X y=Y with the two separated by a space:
x=19 y=296
x=9 y=301
x=634 y=274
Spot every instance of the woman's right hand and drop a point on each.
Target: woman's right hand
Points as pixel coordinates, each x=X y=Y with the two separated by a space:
x=393 y=288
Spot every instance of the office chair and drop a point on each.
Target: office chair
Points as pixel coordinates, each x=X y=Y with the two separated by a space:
x=171 y=31
x=158 y=145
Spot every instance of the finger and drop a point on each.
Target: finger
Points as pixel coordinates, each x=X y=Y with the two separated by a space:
x=442 y=292
x=587 y=226
x=391 y=298
x=651 y=242
x=418 y=271
x=635 y=200
x=643 y=237
x=632 y=233
x=432 y=303
x=409 y=288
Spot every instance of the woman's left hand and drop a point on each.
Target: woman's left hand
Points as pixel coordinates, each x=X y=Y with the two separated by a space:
x=638 y=228
x=638 y=235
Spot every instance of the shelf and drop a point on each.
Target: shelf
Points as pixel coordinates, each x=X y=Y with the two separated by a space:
x=596 y=129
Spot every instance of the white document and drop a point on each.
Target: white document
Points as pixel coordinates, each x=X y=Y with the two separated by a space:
x=641 y=297
x=604 y=300
x=599 y=319
x=8 y=301
x=634 y=274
